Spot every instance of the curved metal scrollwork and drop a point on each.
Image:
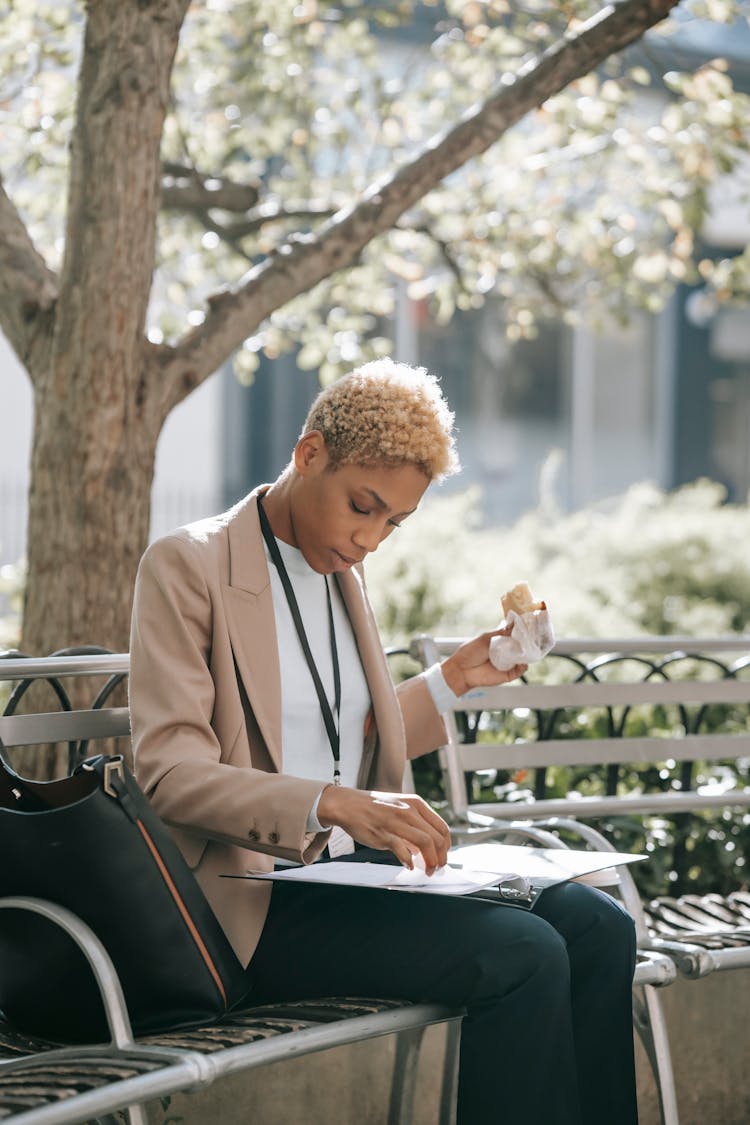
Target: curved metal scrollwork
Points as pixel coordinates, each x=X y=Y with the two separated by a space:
x=77 y=749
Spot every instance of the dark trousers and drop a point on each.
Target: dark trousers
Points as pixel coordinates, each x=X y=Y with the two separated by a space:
x=547 y=1039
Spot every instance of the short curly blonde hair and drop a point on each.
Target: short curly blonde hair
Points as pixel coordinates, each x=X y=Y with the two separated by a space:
x=386 y=413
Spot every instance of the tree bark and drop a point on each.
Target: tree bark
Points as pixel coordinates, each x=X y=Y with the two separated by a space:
x=28 y=289
x=89 y=510
x=99 y=402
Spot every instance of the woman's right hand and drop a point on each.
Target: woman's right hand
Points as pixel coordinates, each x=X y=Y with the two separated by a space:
x=402 y=823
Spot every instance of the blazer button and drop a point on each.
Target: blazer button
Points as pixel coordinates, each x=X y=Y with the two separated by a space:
x=253 y=834
x=273 y=837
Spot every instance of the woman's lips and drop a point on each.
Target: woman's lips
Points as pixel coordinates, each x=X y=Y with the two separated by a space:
x=343 y=561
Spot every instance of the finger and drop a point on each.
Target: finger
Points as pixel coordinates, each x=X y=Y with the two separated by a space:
x=410 y=801
x=501 y=631
x=439 y=832
x=434 y=855
x=402 y=823
x=517 y=670
x=402 y=851
x=492 y=676
x=433 y=848
x=428 y=813
x=404 y=829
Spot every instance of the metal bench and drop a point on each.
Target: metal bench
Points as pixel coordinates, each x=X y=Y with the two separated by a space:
x=44 y=1084
x=701 y=934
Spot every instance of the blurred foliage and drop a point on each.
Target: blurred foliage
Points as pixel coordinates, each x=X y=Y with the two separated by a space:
x=687 y=853
x=647 y=563
x=11 y=600
x=592 y=203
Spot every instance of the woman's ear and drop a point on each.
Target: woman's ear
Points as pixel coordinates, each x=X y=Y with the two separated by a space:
x=310 y=453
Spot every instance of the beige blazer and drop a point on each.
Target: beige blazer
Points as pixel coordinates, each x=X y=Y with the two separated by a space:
x=205 y=703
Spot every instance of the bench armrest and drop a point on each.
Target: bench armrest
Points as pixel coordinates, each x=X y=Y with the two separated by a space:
x=96 y=955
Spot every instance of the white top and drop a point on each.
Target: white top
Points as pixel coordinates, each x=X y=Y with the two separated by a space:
x=304 y=741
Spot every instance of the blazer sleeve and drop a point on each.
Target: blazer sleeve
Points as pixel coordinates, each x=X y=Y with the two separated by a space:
x=197 y=782
x=423 y=723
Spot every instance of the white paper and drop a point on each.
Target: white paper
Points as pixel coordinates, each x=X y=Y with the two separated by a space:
x=472 y=867
x=445 y=881
x=531 y=637
x=541 y=865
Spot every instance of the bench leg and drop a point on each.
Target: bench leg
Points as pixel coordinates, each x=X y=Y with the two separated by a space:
x=403 y=1083
x=648 y=1017
x=136 y=1115
x=449 y=1091
x=117 y=1118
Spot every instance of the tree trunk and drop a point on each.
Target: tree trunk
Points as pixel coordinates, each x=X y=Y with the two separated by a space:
x=88 y=525
x=100 y=401
x=88 y=519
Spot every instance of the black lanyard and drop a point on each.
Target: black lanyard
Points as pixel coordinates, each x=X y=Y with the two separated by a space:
x=332 y=729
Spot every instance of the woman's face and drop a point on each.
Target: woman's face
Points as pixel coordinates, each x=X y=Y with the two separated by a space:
x=341 y=515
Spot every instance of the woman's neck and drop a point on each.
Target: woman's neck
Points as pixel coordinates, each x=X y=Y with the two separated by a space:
x=277 y=504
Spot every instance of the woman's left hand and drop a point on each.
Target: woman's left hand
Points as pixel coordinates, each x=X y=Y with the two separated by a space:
x=469 y=666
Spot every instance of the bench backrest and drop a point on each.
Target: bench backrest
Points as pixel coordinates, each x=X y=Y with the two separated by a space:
x=643 y=668
x=76 y=727
x=727 y=658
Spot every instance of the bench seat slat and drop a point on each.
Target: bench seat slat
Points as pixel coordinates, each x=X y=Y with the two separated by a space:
x=190 y=1070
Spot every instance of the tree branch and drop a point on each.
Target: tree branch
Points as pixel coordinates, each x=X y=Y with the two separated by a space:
x=256 y=217
x=444 y=247
x=305 y=260
x=28 y=288
x=186 y=189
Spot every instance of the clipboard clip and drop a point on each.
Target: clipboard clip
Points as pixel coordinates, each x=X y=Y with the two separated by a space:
x=524 y=891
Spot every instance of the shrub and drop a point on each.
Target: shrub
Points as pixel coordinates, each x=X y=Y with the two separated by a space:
x=645 y=562
x=11 y=598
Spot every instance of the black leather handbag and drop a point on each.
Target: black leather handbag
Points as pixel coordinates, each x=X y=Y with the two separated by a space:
x=91 y=842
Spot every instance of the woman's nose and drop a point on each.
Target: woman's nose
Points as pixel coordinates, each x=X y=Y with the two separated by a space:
x=369 y=537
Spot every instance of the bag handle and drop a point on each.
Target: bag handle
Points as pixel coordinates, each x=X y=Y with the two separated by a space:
x=24 y=795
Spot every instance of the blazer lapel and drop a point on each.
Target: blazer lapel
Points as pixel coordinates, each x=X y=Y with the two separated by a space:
x=251 y=623
x=252 y=630
x=390 y=729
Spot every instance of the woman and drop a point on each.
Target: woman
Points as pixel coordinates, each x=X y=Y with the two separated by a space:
x=266 y=729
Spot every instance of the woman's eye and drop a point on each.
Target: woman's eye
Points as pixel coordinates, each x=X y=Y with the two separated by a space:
x=359 y=511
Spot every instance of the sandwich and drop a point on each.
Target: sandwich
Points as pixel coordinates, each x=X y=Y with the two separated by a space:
x=520 y=600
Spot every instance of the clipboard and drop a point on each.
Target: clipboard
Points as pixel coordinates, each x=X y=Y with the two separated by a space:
x=455 y=880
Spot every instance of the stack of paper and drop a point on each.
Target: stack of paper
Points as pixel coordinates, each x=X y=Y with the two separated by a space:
x=471 y=869
x=447 y=881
